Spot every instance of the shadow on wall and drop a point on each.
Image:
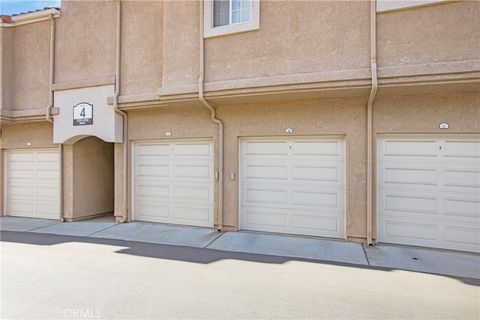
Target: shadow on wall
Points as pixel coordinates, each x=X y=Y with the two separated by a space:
x=179 y=253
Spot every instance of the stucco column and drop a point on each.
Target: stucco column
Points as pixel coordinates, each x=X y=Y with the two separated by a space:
x=120 y=194
x=67 y=181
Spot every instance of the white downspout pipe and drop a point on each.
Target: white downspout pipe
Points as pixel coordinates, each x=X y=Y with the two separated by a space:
x=48 y=116
x=120 y=112
x=373 y=92
x=213 y=117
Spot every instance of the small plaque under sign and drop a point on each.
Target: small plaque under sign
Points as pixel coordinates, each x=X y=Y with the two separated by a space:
x=83 y=114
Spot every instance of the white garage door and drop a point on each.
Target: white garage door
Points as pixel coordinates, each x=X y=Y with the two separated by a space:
x=173 y=182
x=32 y=183
x=428 y=191
x=293 y=186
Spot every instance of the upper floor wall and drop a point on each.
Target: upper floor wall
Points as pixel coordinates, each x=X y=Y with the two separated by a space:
x=297 y=42
x=295 y=37
x=439 y=38
x=85 y=41
x=25 y=67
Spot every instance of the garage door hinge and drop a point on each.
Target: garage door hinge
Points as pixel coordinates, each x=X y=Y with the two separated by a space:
x=216 y=175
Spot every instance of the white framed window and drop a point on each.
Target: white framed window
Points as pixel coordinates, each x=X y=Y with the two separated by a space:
x=223 y=17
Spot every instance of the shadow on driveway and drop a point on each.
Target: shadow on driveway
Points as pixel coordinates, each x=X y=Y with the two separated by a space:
x=186 y=254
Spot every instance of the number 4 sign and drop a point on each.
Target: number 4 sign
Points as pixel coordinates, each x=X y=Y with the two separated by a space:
x=83 y=114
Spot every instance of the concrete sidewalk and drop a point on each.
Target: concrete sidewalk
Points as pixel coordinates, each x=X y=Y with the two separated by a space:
x=452 y=263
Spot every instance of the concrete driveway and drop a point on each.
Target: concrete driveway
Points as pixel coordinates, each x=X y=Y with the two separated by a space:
x=446 y=262
x=65 y=277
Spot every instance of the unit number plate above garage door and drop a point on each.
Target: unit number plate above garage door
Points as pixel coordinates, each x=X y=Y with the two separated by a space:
x=293 y=186
x=429 y=191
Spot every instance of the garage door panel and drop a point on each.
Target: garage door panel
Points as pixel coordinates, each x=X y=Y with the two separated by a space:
x=461 y=149
x=265 y=218
x=315 y=222
x=21 y=208
x=33 y=183
x=192 y=171
x=414 y=175
x=20 y=191
x=462 y=236
x=317 y=173
x=193 y=193
x=437 y=206
x=152 y=150
x=175 y=187
x=20 y=156
x=47 y=192
x=265 y=148
x=265 y=171
x=286 y=183
x=316 y=148
x=316 y=199
x=410 y=203
x=151 y=191
x=16 y=173
x=45 y=208
x=151 y=211
x=153 y=170
x=463 y=207
x=259 y=195
x=48 y=175
x=420 y=148
x=462 y=178
x=46 y=156
x=411 y=230
x=191 y=149
x=192 y=214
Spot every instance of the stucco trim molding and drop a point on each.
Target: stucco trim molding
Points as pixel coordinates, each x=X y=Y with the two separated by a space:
x=290 y=79
x=400 y=5
x=32 y=17
x=22 y=113
x=77 y=84
x=430 y=69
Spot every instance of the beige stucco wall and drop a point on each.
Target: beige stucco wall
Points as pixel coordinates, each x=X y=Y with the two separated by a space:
x=26 y=62
x=88 y=178
x=181 y=49
x=308 y=41
x=16 y=136
x=446 y=32
x=142 y=39
x=85 y=41
x=8 y=64
x=294 y=37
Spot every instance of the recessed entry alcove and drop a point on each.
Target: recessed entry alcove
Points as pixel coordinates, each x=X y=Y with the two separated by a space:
x=88 y=178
